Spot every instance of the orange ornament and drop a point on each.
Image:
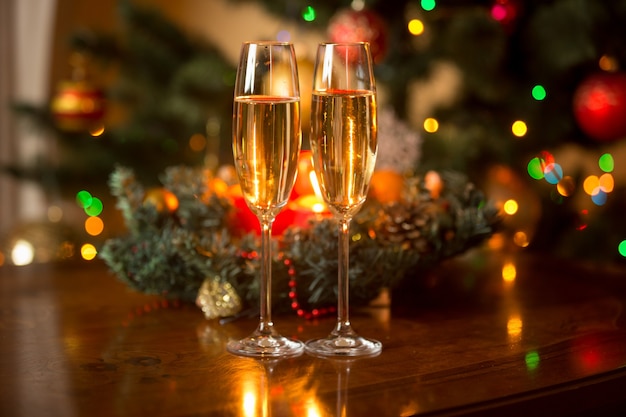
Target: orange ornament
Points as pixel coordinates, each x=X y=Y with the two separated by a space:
x=386 y=186
x=162 y=199
x=218 y=186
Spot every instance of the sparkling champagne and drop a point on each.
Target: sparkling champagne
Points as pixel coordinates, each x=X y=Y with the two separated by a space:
x=344 y=144
x=266 y=147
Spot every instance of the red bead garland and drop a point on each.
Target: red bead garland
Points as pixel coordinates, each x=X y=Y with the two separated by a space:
x=293 y=292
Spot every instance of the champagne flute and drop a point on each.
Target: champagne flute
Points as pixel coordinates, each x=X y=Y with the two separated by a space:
x=266 y=142
x=344 y=144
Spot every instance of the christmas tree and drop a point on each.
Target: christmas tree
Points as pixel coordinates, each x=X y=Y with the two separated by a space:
x=526 y=98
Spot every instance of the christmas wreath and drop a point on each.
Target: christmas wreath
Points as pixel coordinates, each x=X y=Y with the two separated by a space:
x=185 y=241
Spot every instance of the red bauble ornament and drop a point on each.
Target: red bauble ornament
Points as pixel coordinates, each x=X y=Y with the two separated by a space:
x=506 y=12
x=360 y=26
x=600 y=106
x=77 y=106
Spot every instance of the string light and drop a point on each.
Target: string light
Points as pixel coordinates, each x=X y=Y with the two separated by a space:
x=95 y=208
x=509 y=272
x=591 y=184
x=553 y=173
x=566 y=186
x=416 y=27
x=606 y=162
x=309 y=14
x=96 y=131
x=535 y=168
x=539 y=92
x=521 y=239
x=599 y=198
x=510 y=207
x=431 y=125
x=88 y=251
x=606 y=183
x=428 y=5
x=94 y=225
x=519 y=128
x=597 y=187
x=83 y=198
x=22 y=253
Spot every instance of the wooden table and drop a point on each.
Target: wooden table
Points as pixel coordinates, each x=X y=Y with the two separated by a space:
x=74 y=341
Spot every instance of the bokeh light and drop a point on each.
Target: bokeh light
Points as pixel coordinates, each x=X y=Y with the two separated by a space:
x=94 y=225
x=509 y=272
x=608 y=63
x=582 y=220
x=416 y=27
x=55 y=213
x=532 y=360
x=498 y=12
x=514 y=326
x=606 y=162
x=308 y=14
x=553 y=173
x=22 y=253
x=283 y=36
x=621 y=248
x=96 y=131
x=88 y=251
x=428 y=5
x=591 y=184
x=83 y=198
x=95 y=208
x=197 y=142
x=431 y=125
x=538 y=92
x=519 y=128
x=607 y=183
x=546 y=157
x=599 y=198
x=535 y=168
x=510 y=207
x=520 y=238
x=566 y=186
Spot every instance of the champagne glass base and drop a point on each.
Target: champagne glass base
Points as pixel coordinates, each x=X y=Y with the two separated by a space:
x=341 y=345
x=265 y=346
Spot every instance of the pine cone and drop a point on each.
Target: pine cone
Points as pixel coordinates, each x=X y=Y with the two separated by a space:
x=406 y=225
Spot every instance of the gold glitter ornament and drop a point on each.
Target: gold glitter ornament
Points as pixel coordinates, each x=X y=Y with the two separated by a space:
x=217 y=298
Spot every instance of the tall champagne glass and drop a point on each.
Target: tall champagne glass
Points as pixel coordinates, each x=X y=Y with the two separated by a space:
x=266 y=143
x=344 y=144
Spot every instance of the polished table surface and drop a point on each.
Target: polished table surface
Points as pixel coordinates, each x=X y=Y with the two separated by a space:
x=550 y=340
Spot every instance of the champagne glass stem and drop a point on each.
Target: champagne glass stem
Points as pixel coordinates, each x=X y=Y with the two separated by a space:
x=265 y=324
x=343 y=283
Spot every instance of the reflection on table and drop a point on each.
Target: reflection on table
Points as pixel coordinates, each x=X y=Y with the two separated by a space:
x=484 y=334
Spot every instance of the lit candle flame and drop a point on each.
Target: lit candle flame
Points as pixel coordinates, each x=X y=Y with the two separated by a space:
x=319 y=207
